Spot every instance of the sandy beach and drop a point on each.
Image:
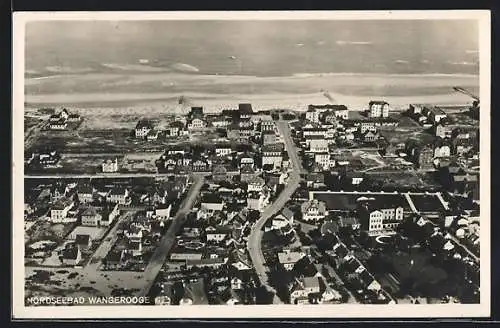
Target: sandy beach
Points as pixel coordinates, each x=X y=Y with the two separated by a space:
x=114 y=94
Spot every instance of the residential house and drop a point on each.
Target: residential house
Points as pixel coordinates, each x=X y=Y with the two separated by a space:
x=233 y=131
x=322 y=159
x=304 y=290
x=318 y=145
x=334 y=112
x=74 y=118
x=246 y=159
x=142 y=128
x=196 y=112
x=153 y=135
x=83 y=242
x=312 y=114
x=272 y=155
x=219 y=173
x=354 y=178
x=60 y=209
x=377 y=217
x=163 y=211
x=442 y=130
x=315 y=180
x=268 y=137
x=217 y=234
x=310 y=130
x=288 y=214
x=71 y=255
x=247 y=173
x=91 y=217
x=212 y=202
x=174 y=128
x=200 y=165
x=442 y=149
x=245 y=110
x=466 y=184
x=134 y=247
x=378 y=109
x=257 y=201
x=108 y=218
x=223 y=150
x=58 y=125
x=118 y=194
x=435 y=114
x=425 y=157
x=85 y=193
x=370 y=136
x=288 y=259
x=213 y=263
x=256 y=184
x=220 y=122
x=313 y=210
x=267 y=124
x=109 y=166
x=196 y=124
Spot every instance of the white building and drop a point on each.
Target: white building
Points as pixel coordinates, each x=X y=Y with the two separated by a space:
x=110 y=166
x=60 y=209
x=378 y=109
x=288 y=259
x=313 y=210
x=312 y=115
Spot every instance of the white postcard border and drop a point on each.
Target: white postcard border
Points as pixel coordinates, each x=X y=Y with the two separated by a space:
x=20 y=311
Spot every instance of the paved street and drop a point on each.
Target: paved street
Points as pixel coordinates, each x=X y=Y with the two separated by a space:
x=167 y=241
x=255 y=237
x=95 y=261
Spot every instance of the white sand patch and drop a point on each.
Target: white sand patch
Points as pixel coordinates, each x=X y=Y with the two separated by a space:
x=185 y=67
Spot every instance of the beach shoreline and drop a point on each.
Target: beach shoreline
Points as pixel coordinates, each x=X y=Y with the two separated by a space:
x=158 y=93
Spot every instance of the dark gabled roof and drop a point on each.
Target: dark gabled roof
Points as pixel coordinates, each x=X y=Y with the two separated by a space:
x=247 y=169
x=211 y=198
x=144 y=123
x=378 y=102
x=84 y=189
x=176 y=124
x=114 y=256
x=334 y=107
x=70 y=252
x=277 y=147
x=245 y=108
x=90 y=211
x=82 y=239
x=287 y=213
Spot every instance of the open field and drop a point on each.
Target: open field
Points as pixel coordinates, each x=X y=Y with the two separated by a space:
x=401 y=135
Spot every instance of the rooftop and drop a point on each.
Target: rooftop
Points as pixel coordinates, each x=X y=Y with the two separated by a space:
x=290 y=257
x=348 y=201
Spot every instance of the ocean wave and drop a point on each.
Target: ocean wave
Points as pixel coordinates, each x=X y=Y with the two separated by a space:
x=299 y=44
x=463 y=63
x=135 y=67
x=68 y=69
x=308 y=75
x=320 y=43
x=401 y=61
x=343 y=42
x=31 y=72
x=185 y=68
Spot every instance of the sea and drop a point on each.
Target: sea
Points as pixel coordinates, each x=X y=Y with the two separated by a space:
x=256 y=48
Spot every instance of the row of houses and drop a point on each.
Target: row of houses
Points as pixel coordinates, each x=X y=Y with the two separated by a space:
x=374 y=216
